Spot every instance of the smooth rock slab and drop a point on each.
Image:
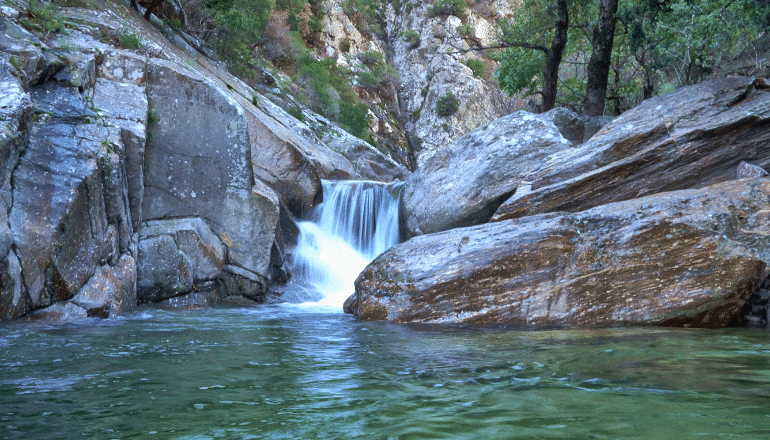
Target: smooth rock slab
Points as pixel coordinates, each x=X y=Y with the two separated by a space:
x=690 y=138
x=681 y=258
x=465 y=183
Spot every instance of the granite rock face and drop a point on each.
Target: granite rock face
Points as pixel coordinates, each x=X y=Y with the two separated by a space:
x=690 y=138
x=144 y=172
x=690 y=257
x=465 y=183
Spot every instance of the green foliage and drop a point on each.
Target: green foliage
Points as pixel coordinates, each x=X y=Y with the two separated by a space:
x=412 y=37
x=658 y=43
x=465 y=31
x=447 y=105
x=152 y=116
x=14 y=60
x=477 y=67
x=368 y=80
x=296 y=111
x=345 y=45
x=242 y=22
x=447 y=7
x=371 y=58
x=519 y=70
x=130 y=40
x=42 y=17
x=367 y=15
x=353 y=118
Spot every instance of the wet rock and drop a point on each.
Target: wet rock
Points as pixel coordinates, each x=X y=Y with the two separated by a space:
x=61 y=311
x=466 y=182
x=111 y=292
x=162 y=271
x=680 y=258
x=690 y=138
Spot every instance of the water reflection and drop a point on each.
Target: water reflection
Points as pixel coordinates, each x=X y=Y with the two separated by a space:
x=277 y=372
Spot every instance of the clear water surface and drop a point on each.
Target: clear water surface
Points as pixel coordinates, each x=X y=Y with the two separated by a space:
x=287 y=372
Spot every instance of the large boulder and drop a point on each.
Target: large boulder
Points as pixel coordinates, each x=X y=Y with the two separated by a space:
x=61 y=220
x=175 y=255
x=690 y=257
x=15 y=117
x=111 y=292
x=465 y=183
x=292 y=160
x=691 y=138
x=198 y=164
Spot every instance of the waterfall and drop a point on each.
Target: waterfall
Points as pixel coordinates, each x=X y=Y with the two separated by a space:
x=357 y=221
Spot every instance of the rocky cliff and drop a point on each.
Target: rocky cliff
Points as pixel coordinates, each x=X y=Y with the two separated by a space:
x=135 y=169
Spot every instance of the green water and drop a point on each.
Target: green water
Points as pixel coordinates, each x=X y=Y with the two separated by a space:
x=280 y=372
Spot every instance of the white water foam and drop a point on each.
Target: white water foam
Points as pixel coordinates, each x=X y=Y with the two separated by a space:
x=356 y=222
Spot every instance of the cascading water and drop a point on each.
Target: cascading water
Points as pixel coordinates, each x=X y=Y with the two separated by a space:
x=357 y=221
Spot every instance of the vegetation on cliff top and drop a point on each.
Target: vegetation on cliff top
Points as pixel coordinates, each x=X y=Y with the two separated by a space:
x=605 y=56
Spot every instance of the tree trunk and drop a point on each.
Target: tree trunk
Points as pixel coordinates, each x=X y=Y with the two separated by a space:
x=554 y=55
x=600 y=61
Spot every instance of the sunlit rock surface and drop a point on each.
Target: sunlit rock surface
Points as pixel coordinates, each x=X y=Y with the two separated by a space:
x=690 y=257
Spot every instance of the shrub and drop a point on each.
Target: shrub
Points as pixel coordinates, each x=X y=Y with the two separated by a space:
x=447 y=105
x=447 y=7
x=243 y=23
x=477 y=67
x=371 y=58
x=130 y=40
x=353 y=118
x=42 y=17
x=465 y=31
x=345 y=45
x=411 y=37
x=368 y=80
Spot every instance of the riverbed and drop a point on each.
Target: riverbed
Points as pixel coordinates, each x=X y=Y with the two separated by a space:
x=293 y=372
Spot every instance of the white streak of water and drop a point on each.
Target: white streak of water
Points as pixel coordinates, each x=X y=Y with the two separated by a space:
x=356 y=222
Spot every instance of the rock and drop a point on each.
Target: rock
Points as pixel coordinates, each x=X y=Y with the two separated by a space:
x=693 y=137
x=466 y=182
x=194 y=238
x=198 y=165
x=111 y=292
x=679 y=258
x=15 y=117
x=37 y=62
x=162 y=270
x=291 y=160
x=436 y=65
x=59 y=217
x=570 y=125
x=747 y=170
x=61 y=311
x=14 y=301
x=368 y=162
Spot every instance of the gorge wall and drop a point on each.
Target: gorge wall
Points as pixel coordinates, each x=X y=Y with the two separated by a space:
x=146 y=173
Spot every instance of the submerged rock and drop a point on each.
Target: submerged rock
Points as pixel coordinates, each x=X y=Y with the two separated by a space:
x=690 y=257
x=690 y=138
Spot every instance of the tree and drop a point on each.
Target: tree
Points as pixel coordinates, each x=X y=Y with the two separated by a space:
x=517 y=67
x=598 y=68
x=242 y=24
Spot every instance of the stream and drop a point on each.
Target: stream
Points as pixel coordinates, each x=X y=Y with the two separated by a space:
x=305 y=370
